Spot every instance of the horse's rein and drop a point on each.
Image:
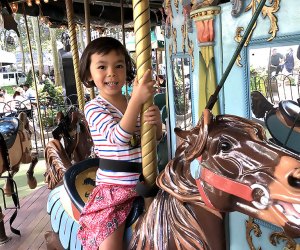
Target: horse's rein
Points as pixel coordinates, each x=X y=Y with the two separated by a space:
x=75 y=132
x=229 y=186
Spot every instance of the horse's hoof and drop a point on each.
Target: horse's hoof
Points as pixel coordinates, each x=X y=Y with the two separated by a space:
x=32 y=183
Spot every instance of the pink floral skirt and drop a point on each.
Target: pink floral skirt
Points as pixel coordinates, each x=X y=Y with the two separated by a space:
x=107 y=207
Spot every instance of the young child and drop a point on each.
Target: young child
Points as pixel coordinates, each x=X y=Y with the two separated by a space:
x=114 y=123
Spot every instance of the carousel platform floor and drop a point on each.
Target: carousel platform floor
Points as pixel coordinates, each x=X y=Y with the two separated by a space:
x=32 y=221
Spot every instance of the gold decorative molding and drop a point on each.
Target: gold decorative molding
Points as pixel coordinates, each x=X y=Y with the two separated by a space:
x=267 y=11
x=184 y=36
x=276 y=237
x=191 y=52
x=170 y=49
x=252 y=226
x=238 y=38
x=205 y=13
x=174 y=38
x=204 y=3
x=169 y=19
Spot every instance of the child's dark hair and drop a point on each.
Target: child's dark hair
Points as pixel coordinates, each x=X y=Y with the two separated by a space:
x=103 y=45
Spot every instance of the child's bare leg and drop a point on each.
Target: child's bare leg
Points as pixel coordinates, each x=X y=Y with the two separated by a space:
x=114 y=241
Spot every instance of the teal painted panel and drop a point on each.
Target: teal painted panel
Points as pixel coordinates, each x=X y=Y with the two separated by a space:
x=288 y=23
x=65 y=230
x=55 y=216
x=75 y=243
x=52 y=199
x=238 y=240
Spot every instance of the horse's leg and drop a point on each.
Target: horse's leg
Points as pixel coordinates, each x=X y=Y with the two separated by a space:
x=8 y=185
x=31 y=180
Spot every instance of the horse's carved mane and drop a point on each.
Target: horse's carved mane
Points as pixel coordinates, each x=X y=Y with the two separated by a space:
x=175 y=207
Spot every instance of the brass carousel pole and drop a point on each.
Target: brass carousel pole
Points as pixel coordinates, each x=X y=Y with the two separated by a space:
x=122 y=22
x=141 y=16
x=74 y=49
x=34 y=79
x=87 y=18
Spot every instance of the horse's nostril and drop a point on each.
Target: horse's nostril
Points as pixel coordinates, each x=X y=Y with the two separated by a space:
x=294 y=182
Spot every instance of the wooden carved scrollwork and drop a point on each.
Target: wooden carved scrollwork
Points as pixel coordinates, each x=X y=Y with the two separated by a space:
x=275 y=237
x=252 y=226
x=191 y=52
x=184 y=36
x=174 y=38
x=176 y=4
x=237 y=6
x=267 y=11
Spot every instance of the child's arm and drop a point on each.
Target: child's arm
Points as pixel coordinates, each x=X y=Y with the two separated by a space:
x=142 y=91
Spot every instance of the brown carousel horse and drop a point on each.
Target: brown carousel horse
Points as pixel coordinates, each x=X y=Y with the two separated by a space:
x=235 y=169
x=16 y=149
x=73 y=129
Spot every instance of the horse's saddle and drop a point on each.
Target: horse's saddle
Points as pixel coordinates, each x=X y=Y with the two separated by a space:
x=291 y=111
x=9 y=127
x=80 y=173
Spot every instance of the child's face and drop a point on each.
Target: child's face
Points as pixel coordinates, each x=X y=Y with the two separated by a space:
x=108 y=72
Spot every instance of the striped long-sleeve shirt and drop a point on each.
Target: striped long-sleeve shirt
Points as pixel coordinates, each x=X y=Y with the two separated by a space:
x=111 y=141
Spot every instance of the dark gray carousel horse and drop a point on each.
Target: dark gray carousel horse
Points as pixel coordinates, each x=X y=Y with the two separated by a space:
x=77 y=145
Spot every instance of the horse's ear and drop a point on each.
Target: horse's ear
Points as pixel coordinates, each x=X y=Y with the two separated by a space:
x=181 y=133
x=201 y=136
x=59 y=116
x=23 y=117
x=74 y=118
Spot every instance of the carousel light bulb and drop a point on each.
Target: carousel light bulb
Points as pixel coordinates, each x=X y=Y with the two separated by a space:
x=38 y=2
x=14 y=7
x=46 y=1
x=29 y=3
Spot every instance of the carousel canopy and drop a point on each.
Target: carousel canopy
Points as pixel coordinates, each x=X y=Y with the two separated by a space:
x=103 y=14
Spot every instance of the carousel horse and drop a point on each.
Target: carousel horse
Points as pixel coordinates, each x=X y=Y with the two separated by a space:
x=16 y=149
x=73 y=130
x=282 y=121
x=224 y=164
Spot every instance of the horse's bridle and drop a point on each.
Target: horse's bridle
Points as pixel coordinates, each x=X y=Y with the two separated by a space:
x=229 y=186
x=75 y=132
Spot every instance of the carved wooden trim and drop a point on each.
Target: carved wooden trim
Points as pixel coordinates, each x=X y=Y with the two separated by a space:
x=174 y=38
x=268 y=11
x=276 y=237
x=191 y=52
x=252 y=226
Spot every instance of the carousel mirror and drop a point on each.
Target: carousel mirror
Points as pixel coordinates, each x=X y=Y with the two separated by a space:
x=274 y=80
x=274 y=72
x=182 y=91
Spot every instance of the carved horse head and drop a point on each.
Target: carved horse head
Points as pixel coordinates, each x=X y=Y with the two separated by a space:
x=74 y=130
x=239 y=170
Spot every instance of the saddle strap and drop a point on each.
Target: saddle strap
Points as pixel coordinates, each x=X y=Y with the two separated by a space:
x=16 y=201
x=4 y=152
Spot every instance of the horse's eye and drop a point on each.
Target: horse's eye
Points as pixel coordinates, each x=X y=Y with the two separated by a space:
x=224 y=146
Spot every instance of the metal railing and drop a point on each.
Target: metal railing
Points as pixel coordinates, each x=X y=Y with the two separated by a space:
x=49 y=107
x=277 y=88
